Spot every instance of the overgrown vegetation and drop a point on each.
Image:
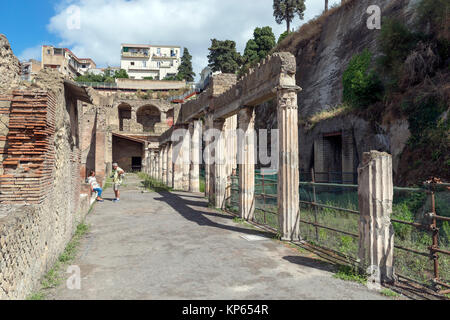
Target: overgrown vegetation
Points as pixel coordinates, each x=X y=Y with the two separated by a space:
x=349 y=273
x=323 y=115
x=108 y=76
x=389 y=293
x=361 y=83
x=54 y=277
x=153 y=185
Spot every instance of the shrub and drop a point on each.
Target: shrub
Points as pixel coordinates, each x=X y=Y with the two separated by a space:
x=396 y=41
x=362 y=87
x=403 y=213
x=423 y=113
x=435 y=13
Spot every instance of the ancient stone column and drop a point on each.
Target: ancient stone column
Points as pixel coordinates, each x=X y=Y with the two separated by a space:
x=169 y=165
x=220 y=174
x=231 y=146
x=152 y=163
x=376 y=235
x=186 y=160
x=177 y=157
x=164 y=163
x=195 y=134
x=160 y=164
x=246 y=163
x=207 y=155
x=288 y=171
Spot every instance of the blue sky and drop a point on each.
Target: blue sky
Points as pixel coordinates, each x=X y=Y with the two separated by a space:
x=24 y=22
x=105 y=24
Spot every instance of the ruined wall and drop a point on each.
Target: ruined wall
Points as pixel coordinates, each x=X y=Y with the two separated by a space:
x=9 y=65
x=88 y=126
x=40 y=184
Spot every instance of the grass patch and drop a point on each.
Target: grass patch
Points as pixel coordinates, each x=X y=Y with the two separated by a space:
x=329 y=114
x=153 y=185
x=202 y=184
x=53 y=277
x=37 y=296
x=389 y=293
x=348 y=273
x=239 y=220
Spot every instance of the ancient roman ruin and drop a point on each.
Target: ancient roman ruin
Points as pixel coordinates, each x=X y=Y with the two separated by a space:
x=54 y=131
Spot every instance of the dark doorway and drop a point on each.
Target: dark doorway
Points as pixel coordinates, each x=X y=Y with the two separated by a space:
x=333 y=157
x=136 y=164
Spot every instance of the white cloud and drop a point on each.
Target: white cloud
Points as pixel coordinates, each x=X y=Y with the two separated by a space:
x=105 y=24
x=31 y=53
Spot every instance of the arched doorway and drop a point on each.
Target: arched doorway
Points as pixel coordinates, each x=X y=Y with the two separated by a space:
x=124 y=117
x=148 y=116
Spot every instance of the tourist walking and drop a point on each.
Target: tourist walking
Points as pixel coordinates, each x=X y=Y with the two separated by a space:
x=117 y=175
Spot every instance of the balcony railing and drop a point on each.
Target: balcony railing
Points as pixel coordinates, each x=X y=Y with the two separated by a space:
x=99 y=85
x=164 y=56
x=135 y=54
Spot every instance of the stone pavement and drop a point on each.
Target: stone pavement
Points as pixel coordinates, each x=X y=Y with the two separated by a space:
x=172 y=246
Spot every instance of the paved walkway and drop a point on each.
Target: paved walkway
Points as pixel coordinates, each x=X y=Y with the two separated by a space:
x=172 y=246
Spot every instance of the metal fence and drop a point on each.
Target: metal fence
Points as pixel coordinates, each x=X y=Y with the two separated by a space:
x=266 y=199
x=330 y=216
x=421 y=222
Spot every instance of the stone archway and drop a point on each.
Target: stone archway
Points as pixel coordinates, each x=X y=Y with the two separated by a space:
x=148 y=116
x=124 y=110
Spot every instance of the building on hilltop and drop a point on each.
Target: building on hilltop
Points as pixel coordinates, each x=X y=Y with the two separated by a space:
x=65 y=61
x=150 y=62
x=29 y=69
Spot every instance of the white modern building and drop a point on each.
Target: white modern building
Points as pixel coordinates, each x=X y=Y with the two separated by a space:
x=143 y=61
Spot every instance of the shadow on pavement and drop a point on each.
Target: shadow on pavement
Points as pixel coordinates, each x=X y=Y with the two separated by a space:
x=310 y=262
x=182 y=206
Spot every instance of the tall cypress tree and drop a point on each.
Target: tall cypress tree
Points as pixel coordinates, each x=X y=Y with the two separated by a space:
x=185 y=71
x=223 y=56
x=259 y=47
x=286 y=10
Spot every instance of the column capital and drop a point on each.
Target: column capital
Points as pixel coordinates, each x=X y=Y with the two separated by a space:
x=288 y=88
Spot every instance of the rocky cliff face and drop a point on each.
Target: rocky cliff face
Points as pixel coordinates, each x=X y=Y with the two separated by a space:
x=335 y=38
x=9 y=65
x=323 y=49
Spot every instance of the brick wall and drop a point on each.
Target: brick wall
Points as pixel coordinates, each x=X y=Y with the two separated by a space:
x=28 y=165
x=41 y=200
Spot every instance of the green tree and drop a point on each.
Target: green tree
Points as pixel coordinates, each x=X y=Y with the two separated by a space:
x=223 y=56
x=362 y=86
x=185 y=71
x=282 y=37
x=251 y=52
x=265 y=40
x=121 y=74
x=286 y=10
x=258 y=48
